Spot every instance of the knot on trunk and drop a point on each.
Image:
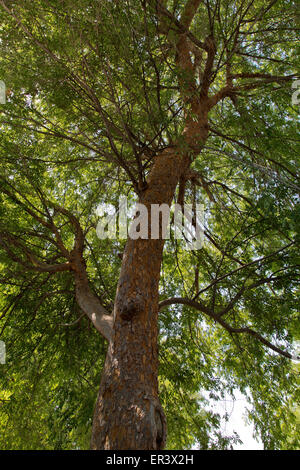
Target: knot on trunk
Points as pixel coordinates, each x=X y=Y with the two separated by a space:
x=132 y=307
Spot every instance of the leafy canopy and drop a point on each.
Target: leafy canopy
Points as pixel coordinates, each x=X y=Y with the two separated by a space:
x=93 y=94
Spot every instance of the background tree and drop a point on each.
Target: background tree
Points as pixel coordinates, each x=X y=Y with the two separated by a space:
x=161 y=101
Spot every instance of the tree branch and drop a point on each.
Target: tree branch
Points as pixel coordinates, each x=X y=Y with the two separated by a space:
x=202 y=308
x=180 y=27
x=86 y=299
x=189 y=12
x=229 y=91
x=35 y=263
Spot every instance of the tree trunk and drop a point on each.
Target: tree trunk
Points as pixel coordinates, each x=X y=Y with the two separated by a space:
x=128 y=414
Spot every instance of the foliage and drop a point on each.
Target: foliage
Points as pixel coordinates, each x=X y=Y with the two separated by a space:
x=93 y=96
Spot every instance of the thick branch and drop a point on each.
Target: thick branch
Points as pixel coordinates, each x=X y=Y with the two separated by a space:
x=91 y=306
x=180 y=27
x=246 y=288
x=189 y=12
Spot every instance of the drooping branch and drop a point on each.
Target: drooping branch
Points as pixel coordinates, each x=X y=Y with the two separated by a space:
x=33 y=263
x=258 y=283
x=269 y=172
x=86 y=298
x=229 y=91
x=79 y=84
x=232 y=330
x=20 y=253
x=244 y=266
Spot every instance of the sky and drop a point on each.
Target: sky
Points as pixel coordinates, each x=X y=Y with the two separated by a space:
x=237 y=422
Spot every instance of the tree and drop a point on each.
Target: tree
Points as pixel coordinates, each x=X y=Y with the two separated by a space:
x=162 y=101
